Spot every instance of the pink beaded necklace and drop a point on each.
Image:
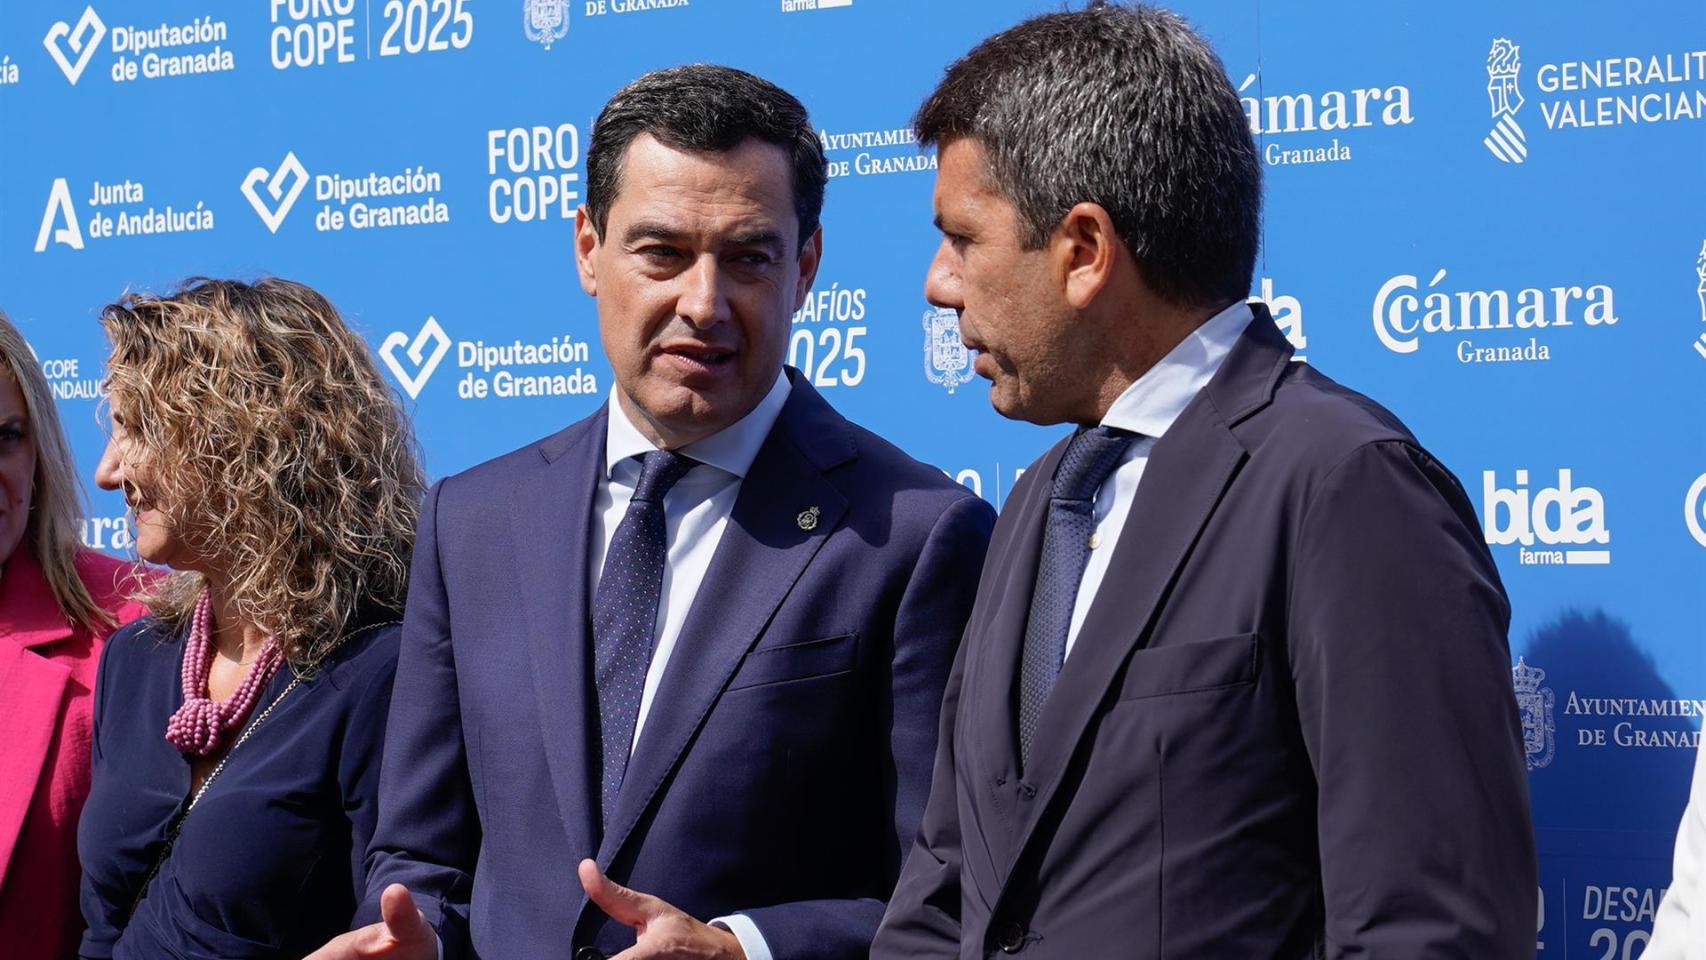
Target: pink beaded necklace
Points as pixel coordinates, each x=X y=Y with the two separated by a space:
x=197 y=726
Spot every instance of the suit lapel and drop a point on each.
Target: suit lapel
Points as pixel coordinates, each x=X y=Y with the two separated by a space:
x=763 y=551
x=33 y=687
x=992 y=672
x=1188 y=472
x=32 y=690
x=552 y=519
x=996 y=738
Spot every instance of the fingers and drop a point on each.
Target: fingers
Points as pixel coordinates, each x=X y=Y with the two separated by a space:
x=409 y=934
x=397 y=911
x=401 y=934
x=335 y=949
x=622 y=905
x=355 y=945
x=677 y=936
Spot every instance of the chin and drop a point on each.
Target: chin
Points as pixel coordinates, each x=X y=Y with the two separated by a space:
x=13 y=527
x=1005 y=401
x=1013 y=406
x=674 y=403
x=159 y=554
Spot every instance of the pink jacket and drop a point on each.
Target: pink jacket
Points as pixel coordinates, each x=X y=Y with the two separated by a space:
x=47 y=675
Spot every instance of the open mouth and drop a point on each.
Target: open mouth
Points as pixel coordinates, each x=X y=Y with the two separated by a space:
x=137 y=503
x=693 y=357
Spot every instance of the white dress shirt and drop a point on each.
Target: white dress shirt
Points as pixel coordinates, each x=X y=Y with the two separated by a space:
x=1148 y=408
x=695 y=514
x=1679 y=930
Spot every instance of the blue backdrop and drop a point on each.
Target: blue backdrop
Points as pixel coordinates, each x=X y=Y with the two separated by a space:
x=1491 y=217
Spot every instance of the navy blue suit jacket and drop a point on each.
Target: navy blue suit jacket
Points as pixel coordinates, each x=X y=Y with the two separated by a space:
x=1286 y=728
x=784 y=765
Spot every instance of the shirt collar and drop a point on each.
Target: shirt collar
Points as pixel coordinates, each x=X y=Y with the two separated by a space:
x=1153 y=401
x=731 y=449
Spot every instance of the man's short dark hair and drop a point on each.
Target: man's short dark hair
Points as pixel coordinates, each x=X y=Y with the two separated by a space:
x=705 y=109
x=1126 y=107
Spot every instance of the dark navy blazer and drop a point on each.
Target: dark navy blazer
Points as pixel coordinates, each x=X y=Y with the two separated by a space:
x=1286 y=728
x=269 y=863
x=784 y=764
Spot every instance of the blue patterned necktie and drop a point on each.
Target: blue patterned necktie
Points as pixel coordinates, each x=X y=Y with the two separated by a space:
x=624 y=616
x=1090 y=457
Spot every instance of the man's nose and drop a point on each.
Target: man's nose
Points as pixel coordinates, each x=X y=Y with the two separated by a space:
x=942 y=285
x=702 y=301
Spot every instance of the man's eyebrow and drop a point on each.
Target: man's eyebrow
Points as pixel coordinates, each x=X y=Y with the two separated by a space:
x=657 y=230
x=756 y=238
x=650 y=230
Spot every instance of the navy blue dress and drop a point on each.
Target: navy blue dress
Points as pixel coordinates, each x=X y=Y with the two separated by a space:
x=269 y=863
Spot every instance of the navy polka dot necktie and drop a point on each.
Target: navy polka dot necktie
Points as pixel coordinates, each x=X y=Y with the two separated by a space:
x=1090 y=457
x=624 y=616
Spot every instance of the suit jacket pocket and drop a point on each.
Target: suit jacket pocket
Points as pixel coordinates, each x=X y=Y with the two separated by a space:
x=796 y=661
x=1187 y=667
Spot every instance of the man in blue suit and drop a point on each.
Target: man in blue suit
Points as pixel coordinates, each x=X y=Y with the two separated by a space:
x=670 y=678
x=1236 y=684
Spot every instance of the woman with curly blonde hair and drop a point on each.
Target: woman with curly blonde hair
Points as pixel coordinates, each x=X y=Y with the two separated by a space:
x=238 y=728
x=58 y=603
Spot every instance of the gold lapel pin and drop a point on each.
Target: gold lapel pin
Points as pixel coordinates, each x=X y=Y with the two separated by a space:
x=808 y=518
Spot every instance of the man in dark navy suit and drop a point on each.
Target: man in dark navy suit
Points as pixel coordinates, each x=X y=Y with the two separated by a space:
x=1236 y=684
x=670 y=679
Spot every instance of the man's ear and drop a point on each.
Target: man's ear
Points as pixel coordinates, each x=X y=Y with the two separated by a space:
x=1086 y=251
x=586 y=242
x=811 y=254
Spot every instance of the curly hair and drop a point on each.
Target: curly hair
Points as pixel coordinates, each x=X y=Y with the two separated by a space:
x=279 y=455
x=56 y=510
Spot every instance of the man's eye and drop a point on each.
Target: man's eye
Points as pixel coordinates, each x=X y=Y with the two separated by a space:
x=659 y=252
x=754 y=259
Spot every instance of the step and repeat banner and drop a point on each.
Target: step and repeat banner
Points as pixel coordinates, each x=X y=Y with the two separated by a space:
x=1490 y=217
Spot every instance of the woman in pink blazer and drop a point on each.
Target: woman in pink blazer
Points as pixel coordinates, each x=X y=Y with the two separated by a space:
x=58 y=602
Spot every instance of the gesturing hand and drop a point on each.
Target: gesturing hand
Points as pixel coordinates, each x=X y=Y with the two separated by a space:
x=662 y=932
x=401 y=934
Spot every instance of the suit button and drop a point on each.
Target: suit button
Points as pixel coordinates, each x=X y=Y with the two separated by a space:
x=1010 y=937
x=589 y=953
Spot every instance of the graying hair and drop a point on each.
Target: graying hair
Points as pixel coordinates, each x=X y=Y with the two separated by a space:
x=1125 y=107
